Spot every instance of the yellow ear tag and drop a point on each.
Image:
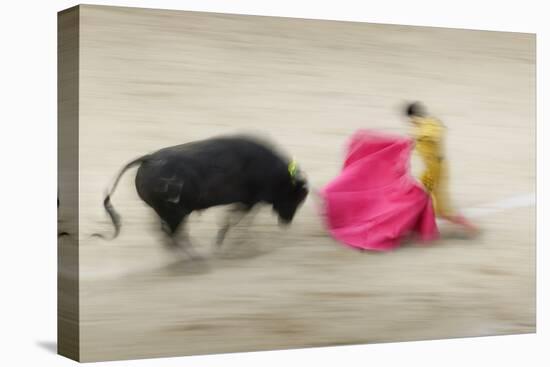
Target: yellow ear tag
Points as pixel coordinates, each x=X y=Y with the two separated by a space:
x=292 y=169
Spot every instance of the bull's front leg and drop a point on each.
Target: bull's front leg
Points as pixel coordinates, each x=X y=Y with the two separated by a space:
x=234 y=216
x=181 y=240
x=184 y=243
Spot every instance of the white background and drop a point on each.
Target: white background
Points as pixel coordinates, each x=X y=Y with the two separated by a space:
x=28 y=182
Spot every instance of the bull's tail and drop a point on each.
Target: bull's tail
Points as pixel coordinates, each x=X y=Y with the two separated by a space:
x=115 y=218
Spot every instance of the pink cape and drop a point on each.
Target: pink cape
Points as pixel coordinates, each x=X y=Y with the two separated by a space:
x=375 y=201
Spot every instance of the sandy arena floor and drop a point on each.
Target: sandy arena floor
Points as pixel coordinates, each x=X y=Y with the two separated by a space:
x=155 y=79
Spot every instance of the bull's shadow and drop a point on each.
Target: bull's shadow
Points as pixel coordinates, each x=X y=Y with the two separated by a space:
x=186 y=266
x=207 y=264
x=243 y=242
x=235 y=251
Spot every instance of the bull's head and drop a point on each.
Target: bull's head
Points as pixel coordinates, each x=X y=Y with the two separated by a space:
x=290 y=194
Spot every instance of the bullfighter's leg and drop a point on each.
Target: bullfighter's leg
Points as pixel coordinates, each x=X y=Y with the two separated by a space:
x=234 y=216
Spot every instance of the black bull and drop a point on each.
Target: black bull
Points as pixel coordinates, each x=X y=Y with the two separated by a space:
x=178 y=180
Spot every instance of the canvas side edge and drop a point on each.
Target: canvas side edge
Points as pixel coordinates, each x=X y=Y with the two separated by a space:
x=68 y=328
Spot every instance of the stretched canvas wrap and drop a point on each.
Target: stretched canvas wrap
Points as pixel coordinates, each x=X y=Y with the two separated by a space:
x=233 y=183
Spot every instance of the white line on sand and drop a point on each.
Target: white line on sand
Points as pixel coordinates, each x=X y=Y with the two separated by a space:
x=514 y=202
